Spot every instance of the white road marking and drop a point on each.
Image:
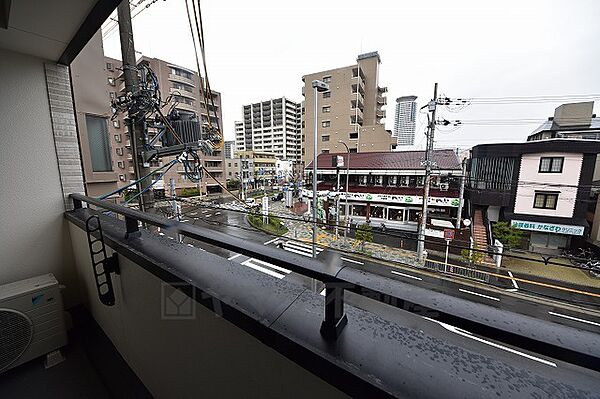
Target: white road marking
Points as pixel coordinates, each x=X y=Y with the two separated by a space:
x=217 y=213
x=478 y=294
x=513 y=280
x=467 y=334
x=234 y=256
x=271 y=241
x=574 y=318
x=351 y=260
x=281 y=269
x=203 y=211
x=184 y=220
x=300 y=249
x=249 y=263
x=193 y=213
x=170 y=238
x=208 y=215
x=160 y=233
x=190 y=245
x=406 y=275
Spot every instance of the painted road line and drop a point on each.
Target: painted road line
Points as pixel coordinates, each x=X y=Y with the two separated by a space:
x=351 y=260
x=208 y=215
x=217 y=213
x=467 y=334
x=513 y=280
x=184 y=221
x=271 y=241
x=203 y=211
x=193 y=213
x=160 y=233
x=190 y=245
x=270 y=272
x=234 y=256
x=298 y=252
x=271 y=266
x=170 y=238
x=574 y=318
x=478 y=294
x=406 y=275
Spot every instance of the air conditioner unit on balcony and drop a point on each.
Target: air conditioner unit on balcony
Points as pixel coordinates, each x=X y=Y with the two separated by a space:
x=31 y=320
x=444 y=186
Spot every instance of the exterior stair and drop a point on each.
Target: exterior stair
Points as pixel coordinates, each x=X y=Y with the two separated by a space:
x=480 y=234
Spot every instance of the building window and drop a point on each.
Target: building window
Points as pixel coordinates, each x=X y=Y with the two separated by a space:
x=116 y=123
x=111 y=81
x=121 y=164
x=109 y=66
x=327 y=79
x=353 y=150
x=325 y=138
x=97 y=132
x=545 y=200
x=327 y=94
x=119 y=151
x=551 y=164
x=325 y=123
x=324 y=151
x=117 y=138
x=229 y=164
x=326 y=109
x=122 y=177
x=353 y=135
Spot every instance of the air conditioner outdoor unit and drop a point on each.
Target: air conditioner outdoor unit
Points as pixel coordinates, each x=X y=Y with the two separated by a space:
x=31 y=320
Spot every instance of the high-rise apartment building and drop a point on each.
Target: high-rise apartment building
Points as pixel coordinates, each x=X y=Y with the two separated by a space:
x=404 y=120
x=271 y=126
x=229 y=149
x=350 y=112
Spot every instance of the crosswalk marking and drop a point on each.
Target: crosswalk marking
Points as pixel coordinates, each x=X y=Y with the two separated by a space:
x=267 y=268
x=300 y=249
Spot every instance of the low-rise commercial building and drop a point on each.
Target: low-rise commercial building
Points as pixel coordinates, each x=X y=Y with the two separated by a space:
x=540 y=187
x=387 y=187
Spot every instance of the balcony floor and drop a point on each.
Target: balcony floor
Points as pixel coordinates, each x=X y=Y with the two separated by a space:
x=93 y=368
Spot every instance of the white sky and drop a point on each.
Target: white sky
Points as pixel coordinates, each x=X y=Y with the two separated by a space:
x=260 y=49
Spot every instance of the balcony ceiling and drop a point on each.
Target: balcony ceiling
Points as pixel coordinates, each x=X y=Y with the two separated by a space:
x=51 y=29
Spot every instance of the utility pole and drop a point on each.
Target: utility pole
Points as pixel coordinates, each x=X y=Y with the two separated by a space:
x=461 y=195
x=135 y=125
x=428 y=163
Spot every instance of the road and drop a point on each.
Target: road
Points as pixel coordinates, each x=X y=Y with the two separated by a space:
x=508 y=297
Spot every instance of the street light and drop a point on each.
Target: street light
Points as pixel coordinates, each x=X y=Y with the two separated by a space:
x=318 y=86
x=346 y=219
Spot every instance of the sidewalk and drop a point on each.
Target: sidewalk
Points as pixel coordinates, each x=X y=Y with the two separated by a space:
x=301 y=230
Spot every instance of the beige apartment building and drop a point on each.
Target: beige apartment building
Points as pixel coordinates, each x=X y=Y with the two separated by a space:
x=105 y=143
x=351 y=111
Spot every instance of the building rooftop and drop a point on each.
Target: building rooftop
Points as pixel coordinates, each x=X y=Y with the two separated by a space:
x=444 y=159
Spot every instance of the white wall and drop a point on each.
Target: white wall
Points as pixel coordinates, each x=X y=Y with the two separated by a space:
x=558 y=182
x=33 y=235
x=204 y=357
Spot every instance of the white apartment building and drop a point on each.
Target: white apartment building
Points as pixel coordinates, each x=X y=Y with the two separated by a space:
x=272 y=126
x=404 y=120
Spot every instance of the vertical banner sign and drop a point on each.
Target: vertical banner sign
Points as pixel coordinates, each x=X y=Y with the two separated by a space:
x=265 y=209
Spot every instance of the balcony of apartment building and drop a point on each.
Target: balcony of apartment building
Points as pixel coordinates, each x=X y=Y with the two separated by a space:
x=356 y=120
x=186 y=107
x=181 y=77
x=357 y=72
x=182 y=92
x=380 y=113
x=169 y=319
x=358 y=88
x=381 y=100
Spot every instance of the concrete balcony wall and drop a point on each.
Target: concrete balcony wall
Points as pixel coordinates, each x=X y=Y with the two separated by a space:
x=34 y=237
x=206 y=356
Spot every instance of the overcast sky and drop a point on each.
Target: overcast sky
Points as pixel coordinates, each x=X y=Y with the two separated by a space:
x=258 y=50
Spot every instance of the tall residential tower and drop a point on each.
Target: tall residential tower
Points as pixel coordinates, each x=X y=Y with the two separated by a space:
x=404 y=120
x=350 y=112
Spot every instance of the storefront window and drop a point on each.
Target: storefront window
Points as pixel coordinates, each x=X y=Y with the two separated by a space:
x=413 y=215
x=359 y=210
x=392 y=180
x=362 y=180
x=378 y=180
x=404 y=181
x=396 y=214
x=377 y=212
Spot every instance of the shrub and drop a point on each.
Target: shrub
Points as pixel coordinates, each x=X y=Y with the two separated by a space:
x=475 y=257
x=364 y=233
x=507 y=235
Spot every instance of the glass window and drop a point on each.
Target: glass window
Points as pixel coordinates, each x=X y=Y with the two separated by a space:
x=359 y=210
x=362 y=180
x=545 y=200
x=392 y=180
x=396 y=214
x=325 y=138
x=326 y=94
x=327 y=79
x=324 y=151
x=377 y=212
x=326 y=109
x=326 y=123
x=118 y=138
x=353 y=135
x=97 y=132
x=551 y=164
x=111 y=81
x=379 y=180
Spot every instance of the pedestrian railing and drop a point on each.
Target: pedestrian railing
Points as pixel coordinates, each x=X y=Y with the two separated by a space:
x=456 y=270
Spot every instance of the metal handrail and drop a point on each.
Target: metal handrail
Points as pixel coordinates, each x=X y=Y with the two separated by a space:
x=335 y=319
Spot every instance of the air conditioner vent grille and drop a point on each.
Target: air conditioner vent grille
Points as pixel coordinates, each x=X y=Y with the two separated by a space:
x=16 y=331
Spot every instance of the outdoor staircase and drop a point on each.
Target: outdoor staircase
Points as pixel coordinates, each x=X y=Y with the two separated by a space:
x=480 y=234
